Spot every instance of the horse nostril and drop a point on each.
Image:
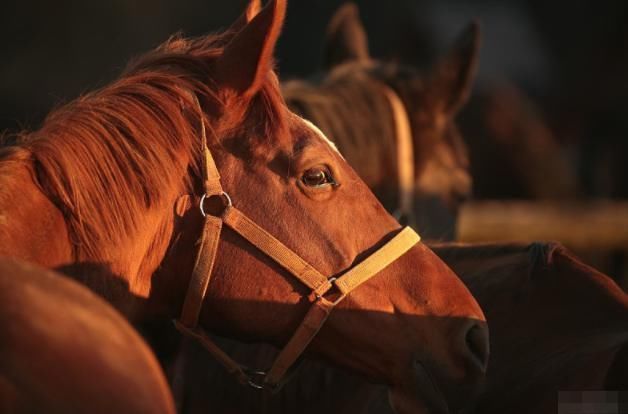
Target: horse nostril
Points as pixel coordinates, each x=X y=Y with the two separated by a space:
x=478 y=345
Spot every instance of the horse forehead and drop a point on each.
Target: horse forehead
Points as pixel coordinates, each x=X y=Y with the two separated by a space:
x=321 y=135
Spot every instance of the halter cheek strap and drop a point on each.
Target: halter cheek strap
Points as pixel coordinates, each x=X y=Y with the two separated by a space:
x=319 y=284
x=405 y=152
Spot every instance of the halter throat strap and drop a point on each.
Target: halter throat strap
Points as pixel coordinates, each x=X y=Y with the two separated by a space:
x=318 y=284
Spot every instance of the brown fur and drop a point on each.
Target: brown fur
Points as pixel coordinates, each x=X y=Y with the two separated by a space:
x=513 y=151
x=501 y=275
x=118 y=138
x=349 y=105
x=64 y=350
x=556 y=323
x=110 y=167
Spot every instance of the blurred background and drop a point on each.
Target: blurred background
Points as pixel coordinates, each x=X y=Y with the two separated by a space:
x=570 y=57
x=548 y=120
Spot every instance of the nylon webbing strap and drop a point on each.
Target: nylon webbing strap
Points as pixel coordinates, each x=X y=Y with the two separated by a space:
x=227 y=362
x=276 y=250
x=312 y=323
x=376 y=262
x=405 y=151
x=321 y=308
x=211 y=176
x=208 y=243
x=280 y=253
x=202 y=271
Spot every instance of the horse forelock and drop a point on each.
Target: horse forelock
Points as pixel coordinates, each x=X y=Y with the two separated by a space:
x=110 y=155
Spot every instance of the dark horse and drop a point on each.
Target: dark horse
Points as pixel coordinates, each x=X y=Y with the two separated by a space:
x=65 y=350
x=556 y=324
x=109 y=190
x=513 y=152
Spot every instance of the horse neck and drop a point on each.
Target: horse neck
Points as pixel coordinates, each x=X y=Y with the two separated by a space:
x=31 y=226
x=123 y=273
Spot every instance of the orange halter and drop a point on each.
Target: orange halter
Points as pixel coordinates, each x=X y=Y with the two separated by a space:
x=319 y=284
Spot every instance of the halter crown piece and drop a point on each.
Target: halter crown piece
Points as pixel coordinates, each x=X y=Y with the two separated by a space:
x=319 y=284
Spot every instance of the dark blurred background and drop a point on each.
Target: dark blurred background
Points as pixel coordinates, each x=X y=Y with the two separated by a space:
x=570 y=56
x=553 y=75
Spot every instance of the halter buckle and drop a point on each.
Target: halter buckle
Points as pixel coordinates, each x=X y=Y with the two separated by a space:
x=226 y=201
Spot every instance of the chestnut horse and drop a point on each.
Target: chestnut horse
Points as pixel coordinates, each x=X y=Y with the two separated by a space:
x=109 y=178
x=492 y=272
x=361 y=104
x=65 y=350
x=353 y=106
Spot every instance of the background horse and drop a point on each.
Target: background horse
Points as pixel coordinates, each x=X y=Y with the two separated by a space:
x=513 y=153
x=108 y=177
x=352 y=106
x=556 y=323
x=65 y=350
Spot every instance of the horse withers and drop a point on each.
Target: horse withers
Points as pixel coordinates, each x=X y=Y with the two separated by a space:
x=125 y=181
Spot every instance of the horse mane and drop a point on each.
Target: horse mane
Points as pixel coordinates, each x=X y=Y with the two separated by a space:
x=110 y=155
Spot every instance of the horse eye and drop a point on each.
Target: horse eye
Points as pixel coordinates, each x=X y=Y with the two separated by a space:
x=317 y=177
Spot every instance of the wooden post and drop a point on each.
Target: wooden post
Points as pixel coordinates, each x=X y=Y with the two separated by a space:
x=583 y=226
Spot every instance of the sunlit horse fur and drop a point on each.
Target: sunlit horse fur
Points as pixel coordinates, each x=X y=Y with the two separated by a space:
x=95 y=191
x=504 y=278
x=351 y=107
x=64 y=350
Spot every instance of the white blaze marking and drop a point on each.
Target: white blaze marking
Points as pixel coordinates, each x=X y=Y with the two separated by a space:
x=321 y=135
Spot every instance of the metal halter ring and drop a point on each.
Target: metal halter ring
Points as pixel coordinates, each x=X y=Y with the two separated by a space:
x=256 y=379
x=331 y=281
x=225 y=197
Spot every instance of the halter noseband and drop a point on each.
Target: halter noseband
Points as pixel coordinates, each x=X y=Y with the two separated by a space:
x=319 y=284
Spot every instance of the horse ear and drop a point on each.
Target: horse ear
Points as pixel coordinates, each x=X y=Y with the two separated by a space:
x=247 y=59
x=451 y=80
x=346 y=38
x=252 y=10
